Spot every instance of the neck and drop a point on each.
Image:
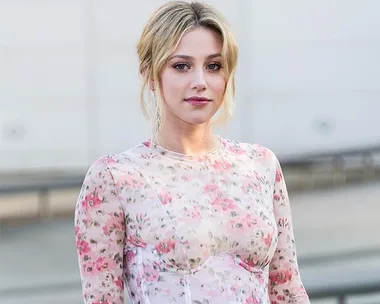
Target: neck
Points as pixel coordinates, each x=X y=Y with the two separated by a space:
x=193 y=140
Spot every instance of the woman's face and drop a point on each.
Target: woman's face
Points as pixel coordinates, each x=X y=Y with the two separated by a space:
x=192 y=80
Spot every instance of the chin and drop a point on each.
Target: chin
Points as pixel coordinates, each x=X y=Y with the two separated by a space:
x=198 y=120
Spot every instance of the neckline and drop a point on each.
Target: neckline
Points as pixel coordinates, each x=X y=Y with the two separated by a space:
x=157 y=149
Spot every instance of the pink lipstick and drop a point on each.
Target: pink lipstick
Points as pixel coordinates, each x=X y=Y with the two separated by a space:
x=197 y=100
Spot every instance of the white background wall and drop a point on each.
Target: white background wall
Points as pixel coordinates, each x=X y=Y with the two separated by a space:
x=308 y=77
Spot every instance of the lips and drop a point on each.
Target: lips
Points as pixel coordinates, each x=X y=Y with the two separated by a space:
x=197 y=100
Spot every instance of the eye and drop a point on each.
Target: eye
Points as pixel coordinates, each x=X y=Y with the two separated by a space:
x=181 y=66
x=214 y=66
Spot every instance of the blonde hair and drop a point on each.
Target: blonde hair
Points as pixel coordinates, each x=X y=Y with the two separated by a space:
x=160 y=38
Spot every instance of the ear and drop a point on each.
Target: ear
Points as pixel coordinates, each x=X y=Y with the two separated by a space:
x=151 y=82
x=152 y=85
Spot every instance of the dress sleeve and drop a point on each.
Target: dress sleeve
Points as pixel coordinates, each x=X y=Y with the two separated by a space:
x=285 y=285
x=99 y=232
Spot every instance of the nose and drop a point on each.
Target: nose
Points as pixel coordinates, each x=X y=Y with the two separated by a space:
x=199 y=82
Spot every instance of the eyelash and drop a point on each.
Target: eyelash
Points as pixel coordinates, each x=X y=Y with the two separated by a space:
x=217 y=65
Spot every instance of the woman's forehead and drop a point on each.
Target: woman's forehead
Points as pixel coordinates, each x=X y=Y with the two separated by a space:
x=199 y=43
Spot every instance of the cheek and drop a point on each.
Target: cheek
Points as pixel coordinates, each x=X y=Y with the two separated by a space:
x=172 y=85
x=219 y=86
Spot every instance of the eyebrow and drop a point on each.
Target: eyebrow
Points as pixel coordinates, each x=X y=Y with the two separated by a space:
x=191 y=58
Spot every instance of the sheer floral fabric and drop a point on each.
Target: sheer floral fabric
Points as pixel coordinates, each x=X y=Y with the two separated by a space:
x=172 y=228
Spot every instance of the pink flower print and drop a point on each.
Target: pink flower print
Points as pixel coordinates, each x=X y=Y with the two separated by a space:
x=260 y=277
x=234 y=224
x=251 y=300
x=83 y=247
x=222 y=165
x=283 y=222
x=150 y=274
x=78 y=233
x=211 y=188
x=191 y=215
x=145 y=156
x=280 y=298
x=186 y=178
x=251 y=222
x=94 y=264
x=147 y=143
x=100 y=264
x=165 y=198
x=262 y=151
x=234 y=288
x=276 y=197
x=119 y=283
x=135 y=241
x=165 y=246
x=91 y=201
x=251 y=184
x=87 y=267
x=237 y=150
x=278 y=175
x=268 y=240
x=110 y=161
x=280 y=277
x=112 y=225
x=130 y=256
x=248 y=263
x=224 y=204
x=109 y=298
x=194 y=214
x=132 y=180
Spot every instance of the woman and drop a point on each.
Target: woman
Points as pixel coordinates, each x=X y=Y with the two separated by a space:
x=187 y=216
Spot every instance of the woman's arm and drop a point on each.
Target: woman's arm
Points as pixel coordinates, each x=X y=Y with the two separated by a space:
x=100 y=231
x=285 y=285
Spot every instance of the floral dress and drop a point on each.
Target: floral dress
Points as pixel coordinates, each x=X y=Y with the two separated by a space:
x=171 y=228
